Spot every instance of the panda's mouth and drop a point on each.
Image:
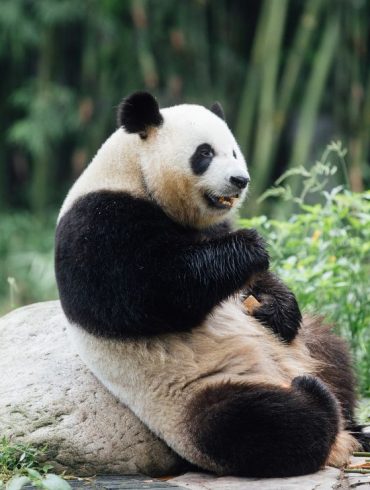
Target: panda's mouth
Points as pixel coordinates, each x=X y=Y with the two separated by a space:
x=221 y=202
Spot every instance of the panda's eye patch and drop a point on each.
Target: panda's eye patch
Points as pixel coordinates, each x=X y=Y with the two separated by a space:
x=234 y=154
x=202 y=158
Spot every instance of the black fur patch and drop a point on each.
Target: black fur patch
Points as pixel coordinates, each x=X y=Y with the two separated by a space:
x=125 y=269
x=279 y=309
x=265 y=431
x=138 y=112
x=217 y=109
x=218 y=230
x=202 y=158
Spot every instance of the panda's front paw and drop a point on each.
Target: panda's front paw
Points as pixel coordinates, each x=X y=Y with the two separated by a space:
x=283 y=317
x=276 y=306
x=253 y=251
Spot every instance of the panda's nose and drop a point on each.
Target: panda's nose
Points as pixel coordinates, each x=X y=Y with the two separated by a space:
x=239 y=181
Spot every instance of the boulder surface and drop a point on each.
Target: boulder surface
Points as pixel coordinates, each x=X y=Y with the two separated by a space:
x=48 y=396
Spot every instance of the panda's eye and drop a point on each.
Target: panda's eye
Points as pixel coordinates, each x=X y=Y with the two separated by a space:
x=207 y=152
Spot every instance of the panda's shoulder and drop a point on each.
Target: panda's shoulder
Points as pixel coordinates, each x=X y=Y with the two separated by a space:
x=110 y=206
x=114 y=216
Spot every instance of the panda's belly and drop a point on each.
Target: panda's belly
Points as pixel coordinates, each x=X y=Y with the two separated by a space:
x=155 y=377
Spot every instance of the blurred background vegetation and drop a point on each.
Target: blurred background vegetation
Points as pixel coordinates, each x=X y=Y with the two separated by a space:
x=292 y=75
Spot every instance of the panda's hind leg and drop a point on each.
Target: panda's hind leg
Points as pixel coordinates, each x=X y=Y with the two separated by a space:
x=263 y=430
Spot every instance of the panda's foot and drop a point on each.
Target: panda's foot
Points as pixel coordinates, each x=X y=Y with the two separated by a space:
x=342 y=449
x=263 y=430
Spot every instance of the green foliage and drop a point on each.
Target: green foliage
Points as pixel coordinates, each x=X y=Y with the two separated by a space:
x=26 y=260
x=21 y=464
x=49 y=114
x=363 y=411
x=323 y=253
x=19 y=457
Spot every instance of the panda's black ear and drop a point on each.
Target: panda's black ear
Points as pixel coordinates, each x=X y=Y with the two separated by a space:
x=139 y=112
x=217 y=109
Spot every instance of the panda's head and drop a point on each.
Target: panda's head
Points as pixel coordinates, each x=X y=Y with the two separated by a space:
x=191 y=164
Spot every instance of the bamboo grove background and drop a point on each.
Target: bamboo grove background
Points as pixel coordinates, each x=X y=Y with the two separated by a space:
x=291 y=74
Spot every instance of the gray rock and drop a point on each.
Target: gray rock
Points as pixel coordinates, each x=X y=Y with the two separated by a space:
x=47 y=395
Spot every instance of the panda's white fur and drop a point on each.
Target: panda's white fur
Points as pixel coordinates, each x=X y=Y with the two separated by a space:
x=157 y=376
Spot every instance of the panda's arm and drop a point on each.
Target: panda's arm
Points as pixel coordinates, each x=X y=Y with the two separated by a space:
x=125 y=269
x=279 y=309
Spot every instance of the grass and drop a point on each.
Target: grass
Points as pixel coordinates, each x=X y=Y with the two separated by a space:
x=15 y=457
x=22 y=464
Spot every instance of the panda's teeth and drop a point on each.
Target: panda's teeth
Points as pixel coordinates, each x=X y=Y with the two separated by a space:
x=227 y=201
x=221 y=202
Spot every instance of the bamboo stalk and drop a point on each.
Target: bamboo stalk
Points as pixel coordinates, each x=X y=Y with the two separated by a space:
x=296 y=57
x=313 y=94
x=361 y=472
x=248 y=102
x=266 y=109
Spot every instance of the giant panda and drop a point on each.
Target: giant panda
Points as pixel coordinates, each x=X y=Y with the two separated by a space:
x=152 y=274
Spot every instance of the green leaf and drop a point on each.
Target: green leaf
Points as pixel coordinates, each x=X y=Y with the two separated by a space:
x=34 y=474
x=293 y=171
